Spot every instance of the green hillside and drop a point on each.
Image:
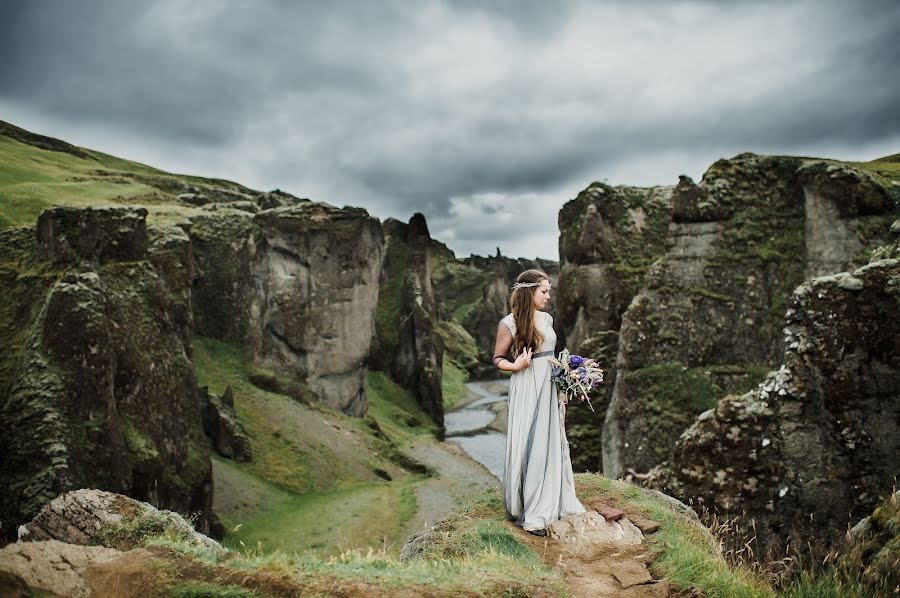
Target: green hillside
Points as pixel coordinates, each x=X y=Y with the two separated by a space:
x=37 y=172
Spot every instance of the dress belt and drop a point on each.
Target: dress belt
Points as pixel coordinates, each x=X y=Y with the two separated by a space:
x=542 y=354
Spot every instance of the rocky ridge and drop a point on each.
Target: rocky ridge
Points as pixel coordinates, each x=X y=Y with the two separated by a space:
x=707 y=321
x=295 y=286
x=810 y=450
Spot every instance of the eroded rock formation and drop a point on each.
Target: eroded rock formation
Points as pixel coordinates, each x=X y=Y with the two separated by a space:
x=406 y=343
x=811 y=449
x=296 y=287
x=98 y=388
x=708 y=320
x=609 y=237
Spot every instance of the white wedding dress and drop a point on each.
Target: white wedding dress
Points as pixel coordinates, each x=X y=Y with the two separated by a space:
x=538 y=485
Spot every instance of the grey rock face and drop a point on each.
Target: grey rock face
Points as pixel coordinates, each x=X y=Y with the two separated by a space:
x=406 y=343
x=707 y=322
x=96 y=235
x=811 y=449
x=98 y=387
x=296 y=287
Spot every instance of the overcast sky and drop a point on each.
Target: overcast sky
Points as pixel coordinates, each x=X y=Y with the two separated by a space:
x=485 y=119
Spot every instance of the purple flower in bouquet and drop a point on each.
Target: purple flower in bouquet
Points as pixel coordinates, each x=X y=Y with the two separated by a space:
x=575 y=376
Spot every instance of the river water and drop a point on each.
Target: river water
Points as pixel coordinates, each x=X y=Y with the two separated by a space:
x=467 y=426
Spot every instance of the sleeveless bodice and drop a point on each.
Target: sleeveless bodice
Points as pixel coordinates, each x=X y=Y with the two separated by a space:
x=546 y=329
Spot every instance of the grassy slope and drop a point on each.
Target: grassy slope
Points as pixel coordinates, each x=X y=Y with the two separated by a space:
x=32 y=179
x=476 y=552
x=311 y=483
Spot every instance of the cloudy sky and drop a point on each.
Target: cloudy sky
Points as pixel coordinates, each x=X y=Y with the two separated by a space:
x=485 y=116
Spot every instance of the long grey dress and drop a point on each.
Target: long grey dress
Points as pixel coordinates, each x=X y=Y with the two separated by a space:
x=538 y=485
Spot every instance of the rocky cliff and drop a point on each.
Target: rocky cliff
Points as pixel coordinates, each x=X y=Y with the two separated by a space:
x=406 y=343
x=609 y=237
x=809 y=451
x=296 y=286
x=708 y=320
x=98 y=388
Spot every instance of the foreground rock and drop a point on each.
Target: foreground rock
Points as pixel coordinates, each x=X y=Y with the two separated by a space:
x=810 y=451
x=588 y=533
x=90 y=517
x=98 y=389
x=50 y=566
x=708 y=321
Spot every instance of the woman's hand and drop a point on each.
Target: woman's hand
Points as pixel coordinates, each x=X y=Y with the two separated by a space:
x=523 y=360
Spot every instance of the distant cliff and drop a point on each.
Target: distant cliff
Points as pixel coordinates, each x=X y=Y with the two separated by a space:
x=406 y=343
x=295 y=285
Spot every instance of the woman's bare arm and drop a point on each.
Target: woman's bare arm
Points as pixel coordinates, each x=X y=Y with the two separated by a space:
x=501 y=350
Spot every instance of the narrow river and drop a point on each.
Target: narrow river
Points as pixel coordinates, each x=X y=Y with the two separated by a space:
x=479 y=427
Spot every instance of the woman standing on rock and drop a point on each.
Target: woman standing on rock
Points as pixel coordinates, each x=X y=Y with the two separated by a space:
x=538 y=484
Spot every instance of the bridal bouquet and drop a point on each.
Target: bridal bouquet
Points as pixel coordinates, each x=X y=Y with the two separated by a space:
x=575 y=375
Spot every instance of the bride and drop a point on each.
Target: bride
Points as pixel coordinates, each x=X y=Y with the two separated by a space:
x=538 y=485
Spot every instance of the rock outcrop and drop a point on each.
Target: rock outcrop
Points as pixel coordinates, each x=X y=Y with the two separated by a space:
x=295 y=286
x=406 y=343
x=50 y=568
x=222 y=425
x=94 y=517
x=609 y=237
x=707 y=323
x=98 y=388
x=811 y=449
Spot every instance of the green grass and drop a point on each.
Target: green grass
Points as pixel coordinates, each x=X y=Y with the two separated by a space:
x=474 y=551
x=203 y=589
x=33 y=179
x=367 y=514
x=453 y=382
x=394 y=407
x=312 y=466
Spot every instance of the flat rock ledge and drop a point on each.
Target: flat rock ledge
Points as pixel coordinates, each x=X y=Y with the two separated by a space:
x=50 y=566
x=589 y=533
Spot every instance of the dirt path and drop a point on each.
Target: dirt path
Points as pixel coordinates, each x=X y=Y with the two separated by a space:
x=612 y=570
x=458 y=475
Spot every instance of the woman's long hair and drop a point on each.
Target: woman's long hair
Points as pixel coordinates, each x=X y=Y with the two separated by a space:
x=522 y=303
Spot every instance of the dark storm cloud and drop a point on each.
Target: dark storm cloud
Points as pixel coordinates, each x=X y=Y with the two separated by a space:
x=486 y=116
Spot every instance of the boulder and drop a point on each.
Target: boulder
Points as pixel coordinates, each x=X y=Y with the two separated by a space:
x=587 y=534
x=49 y=568
x=94 y=517
x=222 y=425
x=808 y=452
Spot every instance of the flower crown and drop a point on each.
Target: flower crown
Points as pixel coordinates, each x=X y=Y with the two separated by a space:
x=525 y=285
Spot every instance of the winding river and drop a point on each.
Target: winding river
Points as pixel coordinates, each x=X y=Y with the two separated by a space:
x=479 y=426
